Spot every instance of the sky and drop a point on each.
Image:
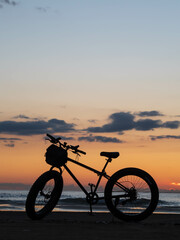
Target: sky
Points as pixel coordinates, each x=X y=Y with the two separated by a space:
x=101 y=74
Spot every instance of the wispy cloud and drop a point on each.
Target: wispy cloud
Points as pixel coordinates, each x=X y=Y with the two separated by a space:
x=10 y=139
x=9 y=142
x=22 y=116
x=9 y=145
x=42 y=9
x=92 y=121
x=153 y=113
x=103 y=139
x=153 y=138
x=8 y=2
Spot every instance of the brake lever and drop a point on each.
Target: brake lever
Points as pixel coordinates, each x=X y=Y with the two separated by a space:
x=47 y=139
x=76 y=153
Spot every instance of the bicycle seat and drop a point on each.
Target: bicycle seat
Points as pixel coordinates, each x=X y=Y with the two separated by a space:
x=110 y=154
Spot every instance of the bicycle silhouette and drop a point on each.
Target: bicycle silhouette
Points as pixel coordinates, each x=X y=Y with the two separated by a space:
x=130 y=194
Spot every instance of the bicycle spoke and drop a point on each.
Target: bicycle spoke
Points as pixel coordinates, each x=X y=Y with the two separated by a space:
x=44 y=195
x=131 y=195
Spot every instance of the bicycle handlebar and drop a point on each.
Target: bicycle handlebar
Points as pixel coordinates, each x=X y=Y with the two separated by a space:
x=53 y=139
x=57 y=140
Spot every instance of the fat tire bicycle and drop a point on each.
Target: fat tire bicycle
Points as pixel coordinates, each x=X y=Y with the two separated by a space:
x=130 y=194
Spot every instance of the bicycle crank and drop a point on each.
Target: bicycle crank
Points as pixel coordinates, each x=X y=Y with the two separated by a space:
x=92 y=198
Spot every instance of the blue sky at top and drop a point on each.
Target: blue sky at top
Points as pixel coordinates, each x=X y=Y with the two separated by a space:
x=114 y=54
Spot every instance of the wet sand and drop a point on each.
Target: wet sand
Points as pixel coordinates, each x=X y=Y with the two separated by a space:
x=100 y=226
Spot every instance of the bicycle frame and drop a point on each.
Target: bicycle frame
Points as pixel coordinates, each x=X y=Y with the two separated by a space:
x=100 y=174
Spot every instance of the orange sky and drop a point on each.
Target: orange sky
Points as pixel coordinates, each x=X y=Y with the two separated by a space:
x=25 y=162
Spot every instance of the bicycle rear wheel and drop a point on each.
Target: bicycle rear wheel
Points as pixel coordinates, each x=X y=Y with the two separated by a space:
x=44 y=195
x=131 y=194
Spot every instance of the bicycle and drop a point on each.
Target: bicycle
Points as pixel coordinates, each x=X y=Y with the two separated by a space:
x=130 y=194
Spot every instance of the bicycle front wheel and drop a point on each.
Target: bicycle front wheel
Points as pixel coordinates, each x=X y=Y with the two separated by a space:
x=44 y=195
x=131 y=194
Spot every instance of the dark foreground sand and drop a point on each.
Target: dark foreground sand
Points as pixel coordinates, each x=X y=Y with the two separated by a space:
x=68 y=225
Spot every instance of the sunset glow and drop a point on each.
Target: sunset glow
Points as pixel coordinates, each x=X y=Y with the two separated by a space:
x=100 y=74
x=176 y=184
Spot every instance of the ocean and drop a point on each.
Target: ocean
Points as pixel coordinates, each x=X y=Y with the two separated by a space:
x=14 y=200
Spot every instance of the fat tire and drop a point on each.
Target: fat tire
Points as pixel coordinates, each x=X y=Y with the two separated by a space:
x=141 y=174
x=38 y=186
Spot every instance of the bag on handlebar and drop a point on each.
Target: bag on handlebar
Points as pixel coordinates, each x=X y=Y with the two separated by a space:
x=56 y=156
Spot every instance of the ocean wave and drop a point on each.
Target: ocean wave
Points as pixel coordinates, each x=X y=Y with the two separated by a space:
x=77 y=200
x=12 y=202
x=70 y=200
x=168 y=203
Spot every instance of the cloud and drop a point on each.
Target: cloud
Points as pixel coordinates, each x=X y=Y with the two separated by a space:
x=149 y=114
x=10 y=139
x=171 y=124
x=92 y=121
x=76 y=119
x=29 y=128
x=9 y=142
x=22 y=116
x=103 y=139
x=119 y=122
x=120 y=133
x=8 y=2
x=42 y=9
x=10 y=145
x=63 y=137
x=124 y=121
x=153 y=138
x=147 y=124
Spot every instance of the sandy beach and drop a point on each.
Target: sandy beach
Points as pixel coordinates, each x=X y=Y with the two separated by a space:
x=71 y=225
